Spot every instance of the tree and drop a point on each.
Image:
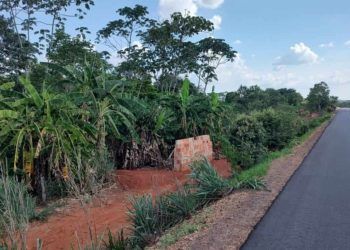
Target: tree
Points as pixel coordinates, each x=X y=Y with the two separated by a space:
x=126 y=27
x=247 y=98
x=164 y=51
x=75 y=51
x=168 y=50
x=292 y=96
x=318 y=99
x=212 y=53
x=16 y=53
x=22 y=18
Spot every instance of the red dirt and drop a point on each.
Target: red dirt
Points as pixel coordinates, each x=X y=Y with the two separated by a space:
x=70 y=226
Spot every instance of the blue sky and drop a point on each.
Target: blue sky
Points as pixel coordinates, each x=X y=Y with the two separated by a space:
x=280 y=43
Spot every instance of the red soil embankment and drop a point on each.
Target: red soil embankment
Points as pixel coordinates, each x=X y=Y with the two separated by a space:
x=109 y=210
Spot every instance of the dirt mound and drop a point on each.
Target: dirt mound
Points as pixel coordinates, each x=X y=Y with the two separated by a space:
x=75 y=224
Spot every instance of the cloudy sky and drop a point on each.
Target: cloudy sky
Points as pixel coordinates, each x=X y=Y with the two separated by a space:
x=292 y=44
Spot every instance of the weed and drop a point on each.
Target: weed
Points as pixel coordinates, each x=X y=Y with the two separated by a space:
x=253 y=183
x=116 y=243
x=185 y=229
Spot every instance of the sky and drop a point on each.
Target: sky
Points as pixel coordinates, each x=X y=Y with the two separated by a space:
x=280 y=44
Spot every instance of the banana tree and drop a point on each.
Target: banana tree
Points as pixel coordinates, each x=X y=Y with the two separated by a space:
x=40 y=132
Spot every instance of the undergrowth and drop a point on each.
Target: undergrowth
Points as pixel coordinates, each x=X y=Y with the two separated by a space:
x=254 y=174
x=210 y=186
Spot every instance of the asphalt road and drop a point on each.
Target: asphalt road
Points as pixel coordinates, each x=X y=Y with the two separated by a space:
x=313 y=210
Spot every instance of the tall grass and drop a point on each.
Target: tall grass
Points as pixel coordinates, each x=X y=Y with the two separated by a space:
x=17 y=207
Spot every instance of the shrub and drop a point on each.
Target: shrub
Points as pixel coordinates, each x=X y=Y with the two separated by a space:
x=303 y=127
x=280 y=126
x=228 y=150
x=318 y=121
x=248 y=137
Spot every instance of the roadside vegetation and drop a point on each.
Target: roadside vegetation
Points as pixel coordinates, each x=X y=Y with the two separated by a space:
x=67 y=123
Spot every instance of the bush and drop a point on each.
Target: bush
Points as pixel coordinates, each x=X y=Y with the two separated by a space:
x=228 y=150
x=280 y=126
x=319 y=120
x=248 y=137
x=303 y=127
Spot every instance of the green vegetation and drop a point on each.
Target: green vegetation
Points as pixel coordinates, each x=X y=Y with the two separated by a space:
x=319 y=100
x=67 y=122
x=247 y=179
x=151 y=219
x=209 y=185
x=16 y=209
x=259 y=170
x=343 y=103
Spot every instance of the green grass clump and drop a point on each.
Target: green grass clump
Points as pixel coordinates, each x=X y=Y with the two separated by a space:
x=118 y=242
x=210 y=186
x=150 y=218
x=16 y=209
x=185 y=229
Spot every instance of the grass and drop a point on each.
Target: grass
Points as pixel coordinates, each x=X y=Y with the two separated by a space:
x=16 y=209
x=197 y=222
x=151 y=218
x=44 y=213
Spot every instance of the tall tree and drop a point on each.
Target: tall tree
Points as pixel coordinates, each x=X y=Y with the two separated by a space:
x=164 y=50
x=23 y=19
x=212 y=52
x=129 y=25
x=318 y=99
x=76 y=51
x=170 y=50
x=16 y=53
x=247 y=98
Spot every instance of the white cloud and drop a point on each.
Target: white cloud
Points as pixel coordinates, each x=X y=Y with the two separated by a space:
x=347 y=43
x=299 y=54
x=216 y=20
x=232 y=75
x=211 y=4
x=327 y=45
x=138 y=44
x=167 y=7
x=237 y=42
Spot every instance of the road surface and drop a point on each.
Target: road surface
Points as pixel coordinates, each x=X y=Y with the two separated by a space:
x=313 y=210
